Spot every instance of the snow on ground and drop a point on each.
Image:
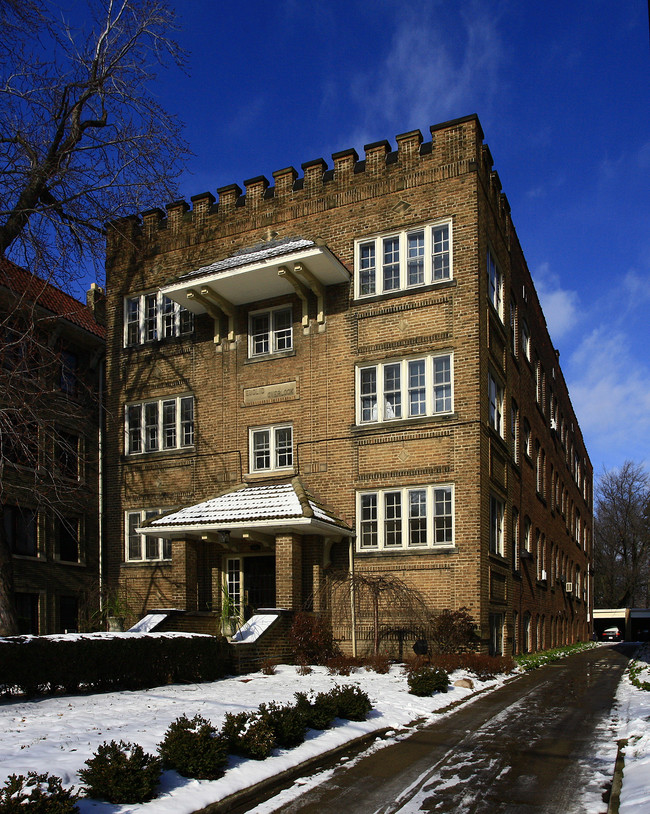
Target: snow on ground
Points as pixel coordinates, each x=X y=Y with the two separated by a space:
x=58 y=734
x=634 y=719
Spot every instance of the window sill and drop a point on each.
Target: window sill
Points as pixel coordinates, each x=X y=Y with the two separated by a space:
x=406 y=552
x=159 y=344
x=268 y=357
x=159 y=454
x=541 y=583
x=289 y=472
x=146 y=563
x=402 y=423
x=405 y=292
x=69 y=562
x=498 y=558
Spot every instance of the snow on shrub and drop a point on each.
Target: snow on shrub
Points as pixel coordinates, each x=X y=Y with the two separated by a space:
x=194 y=748
x=352 y=703
x=42 y=793
x=248 y=734
x=121 y=773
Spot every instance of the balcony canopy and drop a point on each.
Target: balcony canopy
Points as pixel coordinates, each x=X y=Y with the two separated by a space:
x=258 y=273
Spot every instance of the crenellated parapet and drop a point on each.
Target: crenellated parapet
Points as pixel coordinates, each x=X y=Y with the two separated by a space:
x=456 y=148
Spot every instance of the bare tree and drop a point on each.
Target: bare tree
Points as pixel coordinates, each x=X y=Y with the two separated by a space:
x=82 y=138
x=622 y=537
x=82 y=141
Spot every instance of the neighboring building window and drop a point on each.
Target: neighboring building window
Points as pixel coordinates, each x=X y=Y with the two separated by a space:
x=514 y=430
x=67 y=454
x=270 y=331
x=27 y=613
x=159 y=425
x=20 y=528
x=153 y=316
x=404 y=260
x=527 y=534
x=497 y=509
x=495 y=284
x=513 y=326
x=417 y=517
x=68 y=377
x=496 y=404
x=142 y=547
x=68 y=539
x=525 y=339
x=271 y=448
x=68 y=614
x=405 y=389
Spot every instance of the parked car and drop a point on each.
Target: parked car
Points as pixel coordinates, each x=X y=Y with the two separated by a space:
x=612 y=634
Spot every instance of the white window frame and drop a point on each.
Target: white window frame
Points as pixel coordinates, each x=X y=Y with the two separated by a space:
x=152 y=549
x=278 y=454
x=497 y=519
x=425 y=383
x=381 y=527
x=495 y=284
x=151 y=315
x=391 y=273
x=525 y=339
x=148 y=428
x=496 y=400
x=275 y=337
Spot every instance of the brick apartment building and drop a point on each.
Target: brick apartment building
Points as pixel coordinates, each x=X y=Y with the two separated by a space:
x=355 y=358
x=51 y=364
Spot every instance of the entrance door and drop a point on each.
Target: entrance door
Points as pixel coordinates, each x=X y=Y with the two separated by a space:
x=259 y=583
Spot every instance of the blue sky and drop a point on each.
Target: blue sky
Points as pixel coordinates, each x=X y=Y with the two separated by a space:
x=561 y=89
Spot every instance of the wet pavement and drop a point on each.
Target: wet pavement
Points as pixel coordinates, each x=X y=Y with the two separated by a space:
x=527 y=747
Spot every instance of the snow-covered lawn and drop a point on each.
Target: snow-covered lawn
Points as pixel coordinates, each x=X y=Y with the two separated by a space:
x=58 y=734
x=634 y=724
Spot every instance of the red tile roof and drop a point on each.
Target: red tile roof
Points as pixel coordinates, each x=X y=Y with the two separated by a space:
x=49 y=297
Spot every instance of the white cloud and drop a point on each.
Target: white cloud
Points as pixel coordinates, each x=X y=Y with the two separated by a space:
x=560 y=305
x=433 y=70
x=610 y=391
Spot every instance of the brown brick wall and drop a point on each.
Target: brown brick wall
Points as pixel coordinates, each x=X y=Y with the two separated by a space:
x=450 y=177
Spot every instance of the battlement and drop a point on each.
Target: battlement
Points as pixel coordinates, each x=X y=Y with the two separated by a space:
x=456 y=147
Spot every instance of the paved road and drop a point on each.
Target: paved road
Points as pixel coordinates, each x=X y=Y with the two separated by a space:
x=527 y=747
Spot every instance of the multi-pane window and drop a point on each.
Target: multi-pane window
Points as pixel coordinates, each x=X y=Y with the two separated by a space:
x=141 y=547
x=495 y=394
x=68 y=372
x=271 y=448
x=270 y=331
x=67 y=446
x=20 y=529
x=405 y=389
x=153 y=316
x=68 y=539
x=417 y=517
x=495 y=284
x=515 y=539
x=163 y=424
x=513 y=326
x=404 y=260
x=525 y=339
x=514 y=430
x=497 y=509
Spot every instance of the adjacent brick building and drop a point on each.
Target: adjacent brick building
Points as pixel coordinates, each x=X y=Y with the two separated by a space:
x=51 y=366
x=354 y=357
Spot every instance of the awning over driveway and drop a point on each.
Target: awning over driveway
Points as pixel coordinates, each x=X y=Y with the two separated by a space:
x=278 y=508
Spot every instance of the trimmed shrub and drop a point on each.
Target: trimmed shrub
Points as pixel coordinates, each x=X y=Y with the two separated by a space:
x=319 y=710
x=121 y=773
x=194 y=748
x=352 y=703
x=311 y=639
x=248 y=735
x=35 y=665
x=287 y=722
x=452 y=631
x=40 y=793
x=484 y=667
x=427 y=680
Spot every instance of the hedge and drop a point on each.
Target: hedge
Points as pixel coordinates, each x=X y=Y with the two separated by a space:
x=38 y=665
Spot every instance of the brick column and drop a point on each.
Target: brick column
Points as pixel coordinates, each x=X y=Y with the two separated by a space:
x=184 y=577
x=288 y=571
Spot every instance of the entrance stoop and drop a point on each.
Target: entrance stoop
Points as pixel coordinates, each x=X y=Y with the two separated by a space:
x=263 y=638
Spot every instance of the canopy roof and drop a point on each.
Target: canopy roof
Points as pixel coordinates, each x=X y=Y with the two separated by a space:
x=271 y=508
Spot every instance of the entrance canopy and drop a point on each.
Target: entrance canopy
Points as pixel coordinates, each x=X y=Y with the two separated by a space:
x=278 y=508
